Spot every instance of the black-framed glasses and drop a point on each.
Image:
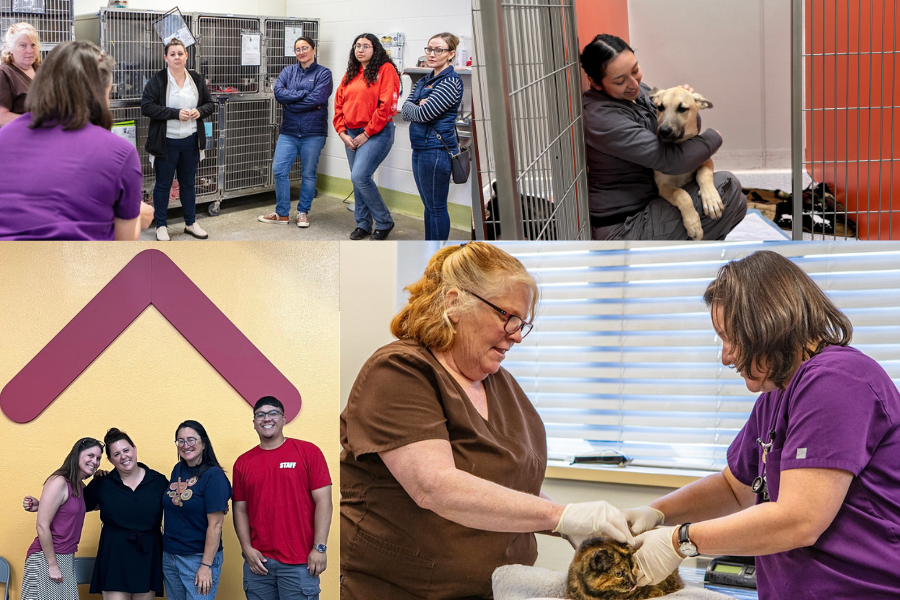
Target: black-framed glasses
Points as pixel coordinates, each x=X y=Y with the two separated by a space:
x=513 y=322
x=272 y=414
x=435 y=51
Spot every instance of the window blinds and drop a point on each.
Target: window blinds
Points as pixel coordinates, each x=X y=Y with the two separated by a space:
x=623 y=355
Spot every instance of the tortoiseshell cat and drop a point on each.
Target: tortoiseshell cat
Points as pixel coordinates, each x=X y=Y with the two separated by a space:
x=603 y=569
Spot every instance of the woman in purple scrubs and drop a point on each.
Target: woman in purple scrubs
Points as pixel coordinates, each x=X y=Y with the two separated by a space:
x=812 y=487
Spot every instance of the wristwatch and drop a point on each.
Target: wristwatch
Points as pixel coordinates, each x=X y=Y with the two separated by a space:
x=320 y=547
x=685 y=545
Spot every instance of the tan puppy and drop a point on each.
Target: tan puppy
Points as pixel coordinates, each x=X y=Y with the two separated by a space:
x=677 y=120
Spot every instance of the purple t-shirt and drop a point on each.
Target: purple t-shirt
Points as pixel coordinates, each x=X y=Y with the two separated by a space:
x=839 y=411
x=65 y=185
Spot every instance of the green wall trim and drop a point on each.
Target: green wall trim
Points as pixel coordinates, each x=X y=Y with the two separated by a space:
x=401 y=202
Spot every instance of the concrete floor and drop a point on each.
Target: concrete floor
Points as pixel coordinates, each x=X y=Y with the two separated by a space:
x=329 y=220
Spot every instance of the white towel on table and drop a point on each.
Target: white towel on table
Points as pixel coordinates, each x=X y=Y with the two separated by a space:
x=518 y=582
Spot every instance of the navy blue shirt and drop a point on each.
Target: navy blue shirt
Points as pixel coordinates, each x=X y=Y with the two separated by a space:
x=186 y=503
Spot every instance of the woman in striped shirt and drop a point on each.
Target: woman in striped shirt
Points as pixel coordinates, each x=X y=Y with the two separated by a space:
x=432 y=108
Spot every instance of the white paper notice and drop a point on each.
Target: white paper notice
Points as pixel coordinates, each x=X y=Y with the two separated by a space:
x=290 y=36
x=127 y=130
x=250 y=55
x=183 y=34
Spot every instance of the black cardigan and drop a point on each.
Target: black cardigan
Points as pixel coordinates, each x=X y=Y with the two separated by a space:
x=153 y=105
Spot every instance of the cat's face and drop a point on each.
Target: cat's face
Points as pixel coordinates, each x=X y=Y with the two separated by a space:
x=604 y=564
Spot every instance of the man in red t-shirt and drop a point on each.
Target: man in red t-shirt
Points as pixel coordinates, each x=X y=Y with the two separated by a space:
x=282 y=510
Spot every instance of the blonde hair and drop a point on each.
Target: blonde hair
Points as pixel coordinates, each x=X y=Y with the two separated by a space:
x=14 y=31
x=476 y=266
x=452 y=40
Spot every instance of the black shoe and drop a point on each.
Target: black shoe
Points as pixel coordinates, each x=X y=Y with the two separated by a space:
x=381 y=234
x=359 y=233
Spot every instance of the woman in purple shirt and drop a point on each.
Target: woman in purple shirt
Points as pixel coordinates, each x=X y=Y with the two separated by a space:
x=50 y=563
x=811 y=488
x=65 y=175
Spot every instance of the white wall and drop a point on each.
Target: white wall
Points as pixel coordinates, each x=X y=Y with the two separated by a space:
x=734 y=52
x=269 y=8
x=341 y=22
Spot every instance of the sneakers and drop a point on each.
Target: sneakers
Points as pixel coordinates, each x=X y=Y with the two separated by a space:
x=273 y=218
x=302 y=220
x=359 y=233
x=382 y=234
x=162 y=234
x=196 y=231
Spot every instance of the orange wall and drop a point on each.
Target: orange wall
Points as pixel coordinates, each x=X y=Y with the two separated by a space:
x=851 y=133
x=600 y=16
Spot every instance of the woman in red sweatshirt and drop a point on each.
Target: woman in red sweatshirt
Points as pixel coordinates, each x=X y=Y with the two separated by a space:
x=364 y=106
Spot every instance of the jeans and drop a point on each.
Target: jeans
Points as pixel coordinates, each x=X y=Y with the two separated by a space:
x=182 y=157
x=431 y=168
x=363 y=161
x=287 y=148
x=179 y=572
x=282 y=582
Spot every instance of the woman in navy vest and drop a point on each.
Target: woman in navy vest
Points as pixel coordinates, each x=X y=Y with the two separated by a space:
x=432 y=107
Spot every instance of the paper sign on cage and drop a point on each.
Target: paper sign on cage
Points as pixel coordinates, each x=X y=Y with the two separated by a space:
x=149 y=278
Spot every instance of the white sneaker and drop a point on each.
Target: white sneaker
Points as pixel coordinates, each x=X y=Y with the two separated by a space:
x=302 y=220
x=351 y=206
x=162 y=234
x=196 y=231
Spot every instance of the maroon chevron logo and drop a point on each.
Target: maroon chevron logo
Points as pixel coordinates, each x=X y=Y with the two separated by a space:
x=149 y=278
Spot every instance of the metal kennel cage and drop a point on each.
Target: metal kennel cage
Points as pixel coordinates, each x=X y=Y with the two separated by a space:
x=528 y=129
x=52 y=19
x=294 y=175
x=207 y=173
x=249 y=145
x=276 y=57
x=845 y=125
x=224 y=55
x=130 y=38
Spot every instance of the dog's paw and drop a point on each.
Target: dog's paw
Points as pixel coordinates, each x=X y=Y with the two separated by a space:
x=694 y=229
x=712 y=202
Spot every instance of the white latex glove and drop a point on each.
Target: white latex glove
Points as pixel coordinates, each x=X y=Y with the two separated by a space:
x=644 y=518
x=657 y=557
x=582 y=520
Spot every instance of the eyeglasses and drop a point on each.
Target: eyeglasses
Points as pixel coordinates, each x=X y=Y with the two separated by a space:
x=363 y=47
x=187 y=442
x=513 y=322
x=272 y=414
x=435 y=51
x=302 y=49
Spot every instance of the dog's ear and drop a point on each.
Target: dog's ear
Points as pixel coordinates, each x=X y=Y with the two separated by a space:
x=654 y=93
x=703 y=102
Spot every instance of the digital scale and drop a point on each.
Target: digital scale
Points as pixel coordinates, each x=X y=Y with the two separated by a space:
x=738 y=571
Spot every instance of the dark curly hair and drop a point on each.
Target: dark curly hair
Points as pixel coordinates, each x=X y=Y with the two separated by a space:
x=379 y=57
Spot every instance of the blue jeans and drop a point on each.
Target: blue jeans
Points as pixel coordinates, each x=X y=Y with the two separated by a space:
x=282 y=582
x=287 y=148
x=431 y=168
x=179 y=572
x=363 y=161
x=182 y=157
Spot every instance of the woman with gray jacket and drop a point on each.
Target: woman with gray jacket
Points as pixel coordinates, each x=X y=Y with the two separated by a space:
x=623 y=151
x=303 y=90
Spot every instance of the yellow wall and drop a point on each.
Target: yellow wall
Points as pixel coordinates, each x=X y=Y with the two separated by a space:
x=282 y=296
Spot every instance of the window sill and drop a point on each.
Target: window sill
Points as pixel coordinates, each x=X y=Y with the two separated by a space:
x=648 y=476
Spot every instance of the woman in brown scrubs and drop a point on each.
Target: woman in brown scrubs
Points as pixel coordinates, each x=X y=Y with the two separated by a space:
x=19 y=59
x=443 y=454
